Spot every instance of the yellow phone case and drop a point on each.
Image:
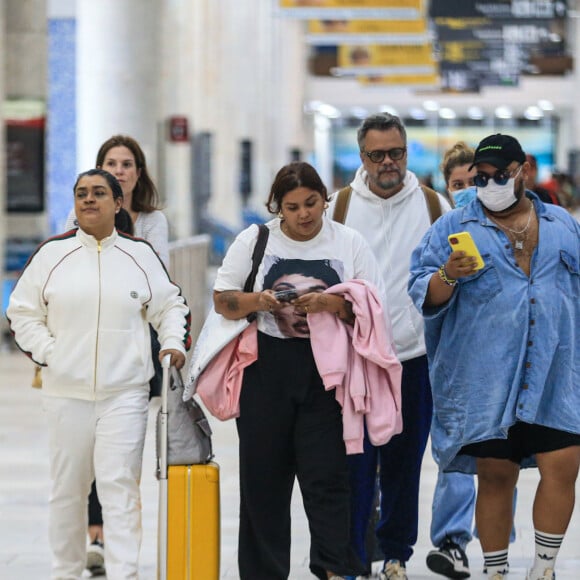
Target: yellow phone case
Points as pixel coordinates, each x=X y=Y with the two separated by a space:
x=463 y=242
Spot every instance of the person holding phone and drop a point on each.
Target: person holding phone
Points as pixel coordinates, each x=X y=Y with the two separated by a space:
x=453 y=504
x=289 y=426
x=504 y=351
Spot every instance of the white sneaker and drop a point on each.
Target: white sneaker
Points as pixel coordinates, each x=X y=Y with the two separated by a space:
x=393 y=570
x=96 y=558
x=548 y=574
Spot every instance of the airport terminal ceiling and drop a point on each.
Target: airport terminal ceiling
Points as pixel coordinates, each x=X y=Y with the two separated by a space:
x=454 y=67
x=453 y=58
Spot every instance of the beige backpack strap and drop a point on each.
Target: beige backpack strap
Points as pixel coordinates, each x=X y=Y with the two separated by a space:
x=433 y=203
x=341 y=206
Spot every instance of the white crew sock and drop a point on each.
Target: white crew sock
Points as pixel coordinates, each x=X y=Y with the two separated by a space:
x=496 y=562
x=547 y=548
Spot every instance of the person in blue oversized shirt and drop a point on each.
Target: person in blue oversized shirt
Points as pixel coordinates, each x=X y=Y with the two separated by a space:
x=504 y=350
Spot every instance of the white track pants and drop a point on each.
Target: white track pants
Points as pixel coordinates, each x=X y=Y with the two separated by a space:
x=102 y=439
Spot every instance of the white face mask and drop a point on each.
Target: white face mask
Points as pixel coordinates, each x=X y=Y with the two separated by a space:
x=498 y=197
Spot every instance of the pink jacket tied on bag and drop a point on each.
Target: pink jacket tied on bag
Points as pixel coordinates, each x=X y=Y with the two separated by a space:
x=220 y=383
x=359 y=361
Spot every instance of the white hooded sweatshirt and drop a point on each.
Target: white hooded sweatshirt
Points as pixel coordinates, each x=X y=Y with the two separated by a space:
x=393 y=227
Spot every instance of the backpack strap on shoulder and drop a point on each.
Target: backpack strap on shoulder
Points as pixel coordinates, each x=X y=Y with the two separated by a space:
x=433 y=203
x=341 y=206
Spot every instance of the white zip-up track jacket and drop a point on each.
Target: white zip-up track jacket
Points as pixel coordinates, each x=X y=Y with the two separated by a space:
x=82 y=309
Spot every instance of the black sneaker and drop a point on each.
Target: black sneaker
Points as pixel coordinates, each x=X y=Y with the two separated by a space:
x=449 y=560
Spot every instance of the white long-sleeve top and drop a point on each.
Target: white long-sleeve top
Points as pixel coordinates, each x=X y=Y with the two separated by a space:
x=393 y=228
x=82 y=309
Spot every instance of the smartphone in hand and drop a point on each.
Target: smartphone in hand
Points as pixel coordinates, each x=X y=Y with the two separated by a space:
x=286 y=295
x=463 y=242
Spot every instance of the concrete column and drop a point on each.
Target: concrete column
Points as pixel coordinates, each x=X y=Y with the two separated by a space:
x=575 y=42
x=117 y=75
x=282 y=52
x=252 y=86
x=177 y=90
x=2 y=161
x=61 y=131
x=323 y=148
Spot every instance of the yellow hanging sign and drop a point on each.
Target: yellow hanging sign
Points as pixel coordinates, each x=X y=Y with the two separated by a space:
x=401 y=80
x=351 y=4
x=367 y=26
x=380 y=55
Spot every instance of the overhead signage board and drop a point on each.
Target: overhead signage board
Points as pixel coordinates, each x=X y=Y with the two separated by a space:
x=523 y=31
x=498 y=9
x=351 y=9
x=470 y=77
x=413 y=58
x=417 y=81
x=495 y=52
x=335 y=32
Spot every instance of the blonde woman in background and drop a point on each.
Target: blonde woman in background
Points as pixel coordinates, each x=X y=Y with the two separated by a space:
x=458 y=173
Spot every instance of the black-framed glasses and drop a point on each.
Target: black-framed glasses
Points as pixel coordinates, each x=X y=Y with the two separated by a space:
x=378 y=155
x=501 y=177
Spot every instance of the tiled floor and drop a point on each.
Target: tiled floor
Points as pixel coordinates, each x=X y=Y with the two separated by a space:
x=24 y=485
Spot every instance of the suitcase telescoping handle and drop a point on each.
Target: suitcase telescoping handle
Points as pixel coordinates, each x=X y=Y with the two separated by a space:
x=162 y=452
x=162 y=473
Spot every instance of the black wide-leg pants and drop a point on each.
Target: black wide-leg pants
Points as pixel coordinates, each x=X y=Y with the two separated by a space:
x=289 y=426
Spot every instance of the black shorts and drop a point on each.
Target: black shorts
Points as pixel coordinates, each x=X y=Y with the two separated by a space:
x=523 y=440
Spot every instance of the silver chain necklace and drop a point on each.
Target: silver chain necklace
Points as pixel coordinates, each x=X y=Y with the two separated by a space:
x=518 y=244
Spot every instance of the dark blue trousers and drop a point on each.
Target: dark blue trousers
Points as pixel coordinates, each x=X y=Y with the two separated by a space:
x=398 y=465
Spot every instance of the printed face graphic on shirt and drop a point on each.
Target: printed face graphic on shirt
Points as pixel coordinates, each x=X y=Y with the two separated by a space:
x=290 y=279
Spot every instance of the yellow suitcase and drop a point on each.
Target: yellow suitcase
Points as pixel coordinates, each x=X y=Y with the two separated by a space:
x=189 y=511
x=193 y=522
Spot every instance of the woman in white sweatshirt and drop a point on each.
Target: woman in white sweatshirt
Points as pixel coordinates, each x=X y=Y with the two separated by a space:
x=82 y=309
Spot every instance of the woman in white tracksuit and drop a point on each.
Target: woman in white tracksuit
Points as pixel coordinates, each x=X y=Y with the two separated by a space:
x=81 y=308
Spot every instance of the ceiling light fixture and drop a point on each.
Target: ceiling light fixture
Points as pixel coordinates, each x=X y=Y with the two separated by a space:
x=388 y=109
x=533 y=113
x=431 y=106
x=503 y=112
x=475 y=113
x=447 y=113
x=545 y=105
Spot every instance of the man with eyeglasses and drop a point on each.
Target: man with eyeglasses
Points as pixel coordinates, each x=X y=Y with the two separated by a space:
x=504 y=349
x=390 y=209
